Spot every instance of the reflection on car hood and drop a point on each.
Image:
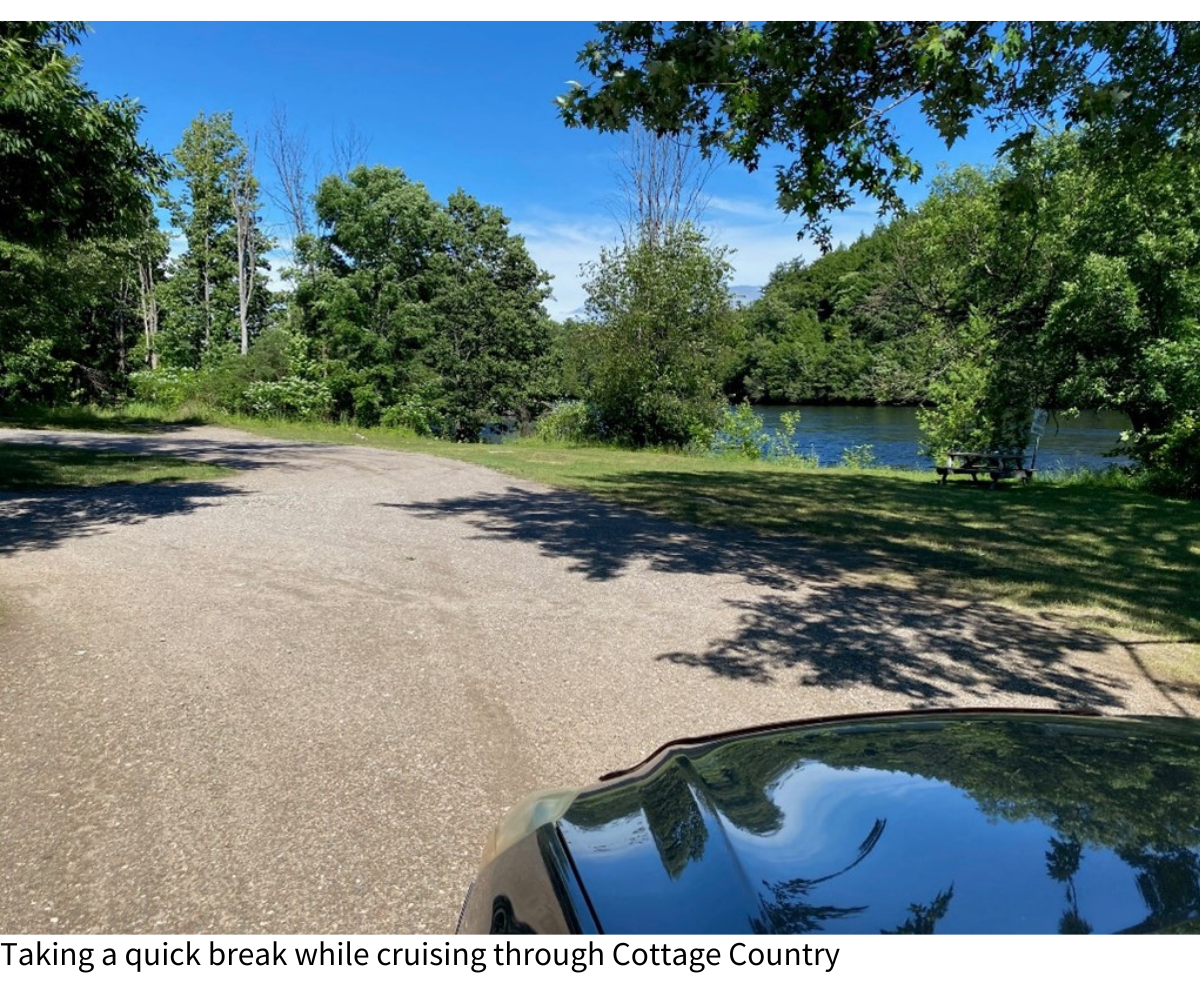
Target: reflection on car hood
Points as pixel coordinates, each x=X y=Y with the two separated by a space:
x=955 y=822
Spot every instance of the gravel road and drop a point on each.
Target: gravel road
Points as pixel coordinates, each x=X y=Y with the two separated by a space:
x=296 y=700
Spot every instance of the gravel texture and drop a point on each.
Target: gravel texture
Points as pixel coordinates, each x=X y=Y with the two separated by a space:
x=296 y=700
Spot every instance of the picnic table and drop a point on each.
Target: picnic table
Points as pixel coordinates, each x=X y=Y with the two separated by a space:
x=996 y=465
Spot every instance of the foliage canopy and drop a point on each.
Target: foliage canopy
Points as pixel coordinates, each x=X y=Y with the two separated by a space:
x=826 y=92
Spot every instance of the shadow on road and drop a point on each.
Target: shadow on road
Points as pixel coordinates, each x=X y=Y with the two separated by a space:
x=1119 y=550
x=601 y=540
x=896 y=640
x=43 y=519
x=244 y=456
x=818 y=623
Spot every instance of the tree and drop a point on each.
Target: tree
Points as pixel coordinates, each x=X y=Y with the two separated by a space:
x=977 y=278
x=287 y=152
x=662 y=318
x=293 y=192
x=661 y=183
x=490 y=332
x=818 y=327
x=248 y=240
x=1125 y=322
x=71 y=164
x=827 y=92
x=150 y=256
x=429 y=315
x=360 y=295
x=74 y=182
x=214 y=296
x=1064 y=282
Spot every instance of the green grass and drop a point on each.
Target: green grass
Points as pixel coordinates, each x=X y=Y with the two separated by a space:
x=132 y=419
x=1112 y=557
x=25 y=467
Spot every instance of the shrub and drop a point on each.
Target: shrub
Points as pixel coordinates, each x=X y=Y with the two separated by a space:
x=415 y=412
x=782 y=447
x=859 y=456
x=292 y=396
x=33 y=374
x=569 y=422
x=167 y=386
x=367 y=409
x=740 y=432
x=661 y=321
x=1171 y=458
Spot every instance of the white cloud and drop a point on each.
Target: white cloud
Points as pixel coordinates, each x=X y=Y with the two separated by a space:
x=759 y=242
x=562 y=245
x=743 y=208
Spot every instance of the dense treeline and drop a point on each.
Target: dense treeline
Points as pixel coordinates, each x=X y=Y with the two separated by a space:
x=1060 y=283
x=401 y=310
x=812 y=335
x=1058 y=278
x=74 y=220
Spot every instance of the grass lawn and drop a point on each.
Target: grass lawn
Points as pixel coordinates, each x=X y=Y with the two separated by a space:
x=25 y=467
x=126 y=420
x=1111 y=557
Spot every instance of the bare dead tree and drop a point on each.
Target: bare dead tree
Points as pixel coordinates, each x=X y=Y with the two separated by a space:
x=123 y=303
x=660 y=184
x=288 y=153
x=148 y=303
x=348 y=149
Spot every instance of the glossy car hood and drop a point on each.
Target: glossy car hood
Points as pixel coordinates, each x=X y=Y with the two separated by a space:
x=997 y=823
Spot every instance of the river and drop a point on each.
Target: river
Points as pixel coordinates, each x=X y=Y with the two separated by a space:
x=892 y=431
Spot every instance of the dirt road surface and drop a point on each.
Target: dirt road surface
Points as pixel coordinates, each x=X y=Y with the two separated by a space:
x=296 y=700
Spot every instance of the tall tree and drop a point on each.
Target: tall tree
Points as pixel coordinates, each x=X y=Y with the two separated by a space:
x=292 y=194
x=214 y=295
x=658 y=303
x=248 y=238
x=431 y=314
x=490 y=329
x=74 y=182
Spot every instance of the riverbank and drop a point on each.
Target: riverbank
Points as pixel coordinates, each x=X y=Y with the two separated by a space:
x=1105 y=557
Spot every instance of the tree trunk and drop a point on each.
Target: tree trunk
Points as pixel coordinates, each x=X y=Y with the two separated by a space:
x=242 y=197
x=207 y=276
x=123 y=302
x=149 y=306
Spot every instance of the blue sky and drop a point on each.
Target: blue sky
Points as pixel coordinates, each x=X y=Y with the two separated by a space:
x=454 y=105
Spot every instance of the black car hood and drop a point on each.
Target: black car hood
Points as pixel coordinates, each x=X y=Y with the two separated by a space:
x=1003 y=823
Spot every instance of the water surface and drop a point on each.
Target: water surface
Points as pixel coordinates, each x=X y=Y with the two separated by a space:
x=827 y=431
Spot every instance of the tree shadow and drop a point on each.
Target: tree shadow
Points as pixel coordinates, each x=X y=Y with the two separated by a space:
x=1119 y=550
x=849 y=633
x=818 y=623
x=34 y=520
x=602 y=540
x=242 y=456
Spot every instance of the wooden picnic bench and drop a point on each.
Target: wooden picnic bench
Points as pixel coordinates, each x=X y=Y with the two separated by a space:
x=996 y=465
